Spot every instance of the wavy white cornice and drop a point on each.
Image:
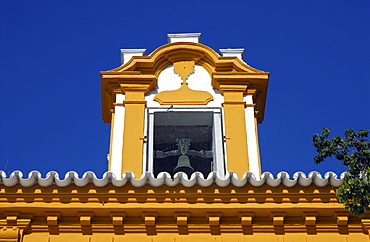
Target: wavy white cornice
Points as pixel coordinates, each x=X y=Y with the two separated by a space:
x=163 y=178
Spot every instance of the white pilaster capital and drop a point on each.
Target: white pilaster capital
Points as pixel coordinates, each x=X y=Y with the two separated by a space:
x=189 y=37
x=126 y=54
x=232 y=52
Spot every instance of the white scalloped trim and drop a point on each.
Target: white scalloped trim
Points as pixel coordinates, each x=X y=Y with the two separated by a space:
x=52 y=177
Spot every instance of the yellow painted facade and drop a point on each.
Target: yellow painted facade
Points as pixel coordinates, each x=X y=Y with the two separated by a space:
x=147 y=210
x=178 y=213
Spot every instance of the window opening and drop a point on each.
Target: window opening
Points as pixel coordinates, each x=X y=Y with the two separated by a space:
x=186 y=140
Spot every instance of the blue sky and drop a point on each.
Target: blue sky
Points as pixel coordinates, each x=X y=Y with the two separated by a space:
x=51 y=53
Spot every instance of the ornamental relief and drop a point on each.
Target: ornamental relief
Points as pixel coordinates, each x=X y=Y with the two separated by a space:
x=184 y=95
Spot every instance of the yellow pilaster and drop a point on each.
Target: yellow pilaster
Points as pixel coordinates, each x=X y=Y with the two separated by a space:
x=235 y=131
x=133 y=135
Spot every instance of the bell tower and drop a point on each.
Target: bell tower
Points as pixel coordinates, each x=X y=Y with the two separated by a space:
x=183 y=108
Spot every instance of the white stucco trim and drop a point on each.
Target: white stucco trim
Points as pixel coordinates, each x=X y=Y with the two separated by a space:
x=253 y=155
x=188 y=37
x=117 y=139
x=126 y=54
x=232 y=52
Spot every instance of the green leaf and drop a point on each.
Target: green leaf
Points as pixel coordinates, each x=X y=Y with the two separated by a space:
x=353 y=150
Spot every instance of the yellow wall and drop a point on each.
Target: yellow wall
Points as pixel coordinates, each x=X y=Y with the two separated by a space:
x=178 y=213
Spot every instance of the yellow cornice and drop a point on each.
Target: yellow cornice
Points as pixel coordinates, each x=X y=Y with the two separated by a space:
x=145 y=70
x=232 y=88
x=126 y=87
x=164 y=209
x=184 y=51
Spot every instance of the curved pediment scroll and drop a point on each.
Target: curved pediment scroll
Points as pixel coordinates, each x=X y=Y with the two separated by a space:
x=144 y=70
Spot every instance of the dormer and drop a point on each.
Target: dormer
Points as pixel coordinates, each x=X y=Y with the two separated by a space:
x=184 y=108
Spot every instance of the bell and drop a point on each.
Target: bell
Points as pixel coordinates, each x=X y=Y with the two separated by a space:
x=183 y=164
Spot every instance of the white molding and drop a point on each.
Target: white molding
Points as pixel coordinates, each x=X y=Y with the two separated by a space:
x=189 y=37
x=232 y=52
x=117 y=139
x=126 y=54
x=254 y=165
